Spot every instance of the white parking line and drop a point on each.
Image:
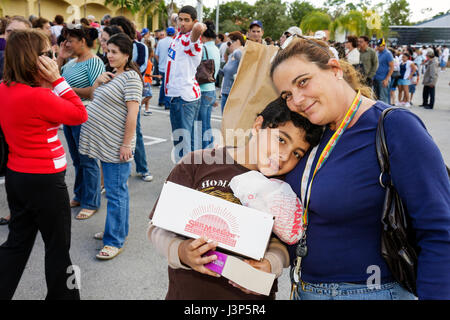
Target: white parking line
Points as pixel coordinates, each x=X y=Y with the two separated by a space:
x=158 y=110
x=2 y=180
x=153 y=140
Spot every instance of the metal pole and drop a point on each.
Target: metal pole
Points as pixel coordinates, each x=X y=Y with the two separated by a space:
x=217 y=17
x=200 y=10
x=85 y=8
x=39 y=8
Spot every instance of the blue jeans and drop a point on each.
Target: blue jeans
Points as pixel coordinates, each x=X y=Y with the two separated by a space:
x=223 y=101
x=115 y=176
x=182 y=117
x=139 y=154
x=204 y=116
x=382 y=93
x=87 y=172
x=351 y=291
x=162 y=92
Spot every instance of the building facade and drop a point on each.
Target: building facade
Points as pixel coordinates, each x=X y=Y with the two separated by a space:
x=432 y=32
x=71 y=10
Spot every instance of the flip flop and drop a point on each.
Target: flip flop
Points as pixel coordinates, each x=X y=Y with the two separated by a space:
x=109 y=253
x=85 y=214
x=3 y=221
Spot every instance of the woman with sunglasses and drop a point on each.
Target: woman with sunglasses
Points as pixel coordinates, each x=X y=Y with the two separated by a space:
x=235 y=46
x=81 y=73
x=344 y=199
x=110 y=136
x=35 y=185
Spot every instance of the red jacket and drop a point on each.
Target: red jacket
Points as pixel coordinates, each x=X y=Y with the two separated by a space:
x=30 y=118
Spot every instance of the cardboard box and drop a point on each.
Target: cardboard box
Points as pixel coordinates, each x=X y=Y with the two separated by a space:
x=194 y=214
x=241 y=273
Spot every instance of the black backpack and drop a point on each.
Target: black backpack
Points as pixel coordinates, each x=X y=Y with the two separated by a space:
x=3 y=153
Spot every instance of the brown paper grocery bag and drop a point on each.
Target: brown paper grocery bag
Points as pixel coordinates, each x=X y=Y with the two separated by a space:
x=252 y=90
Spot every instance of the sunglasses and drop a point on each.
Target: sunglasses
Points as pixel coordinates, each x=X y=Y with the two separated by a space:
x=48 y=53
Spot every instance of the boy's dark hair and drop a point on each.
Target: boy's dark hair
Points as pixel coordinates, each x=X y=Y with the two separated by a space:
x=221 y=37
x=277 y=112
x=190 y=10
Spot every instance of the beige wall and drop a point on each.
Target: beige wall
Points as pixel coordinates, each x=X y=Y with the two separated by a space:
x=70 y=9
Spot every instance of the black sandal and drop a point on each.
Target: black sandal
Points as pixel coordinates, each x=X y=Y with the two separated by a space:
x=3 y=221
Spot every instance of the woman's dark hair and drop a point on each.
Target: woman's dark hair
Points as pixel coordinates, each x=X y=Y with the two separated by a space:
x=112 y=30
x=21 y=56
x=277 y=113
x=39 y=23
x=3 y=22
x=221 y=37
x=125 y=45
x=125 y=24
x=84 y=22
x=353 y=40
x=236 y=35
x=210 y=31
x=190 y=10
x=80 y=32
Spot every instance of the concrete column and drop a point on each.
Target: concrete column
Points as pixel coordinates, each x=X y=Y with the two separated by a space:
x=155 y=20
x=30 y=8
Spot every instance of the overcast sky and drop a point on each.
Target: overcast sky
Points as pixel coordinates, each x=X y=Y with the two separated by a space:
x=416 y=6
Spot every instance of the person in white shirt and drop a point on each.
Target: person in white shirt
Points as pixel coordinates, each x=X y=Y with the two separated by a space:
x=58 y=26
x=321 y=35
x=181 y=87
x=407 y=69
x=444 y=57
x=351 y=50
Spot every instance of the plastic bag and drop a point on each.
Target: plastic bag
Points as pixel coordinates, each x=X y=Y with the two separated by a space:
x=273 y=196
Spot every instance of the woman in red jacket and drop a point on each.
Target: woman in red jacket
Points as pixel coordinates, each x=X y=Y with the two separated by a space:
x=36 y=191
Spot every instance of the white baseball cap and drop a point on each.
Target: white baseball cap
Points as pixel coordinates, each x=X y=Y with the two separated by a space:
x=320 y=35
x=294 y=30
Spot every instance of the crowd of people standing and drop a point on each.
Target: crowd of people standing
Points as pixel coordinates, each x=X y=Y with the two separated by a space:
x=93 y=79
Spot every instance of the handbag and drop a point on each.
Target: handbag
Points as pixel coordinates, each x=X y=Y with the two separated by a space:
x=398 y=245
x=398 y=242
x=3 y=153
x=206 y=70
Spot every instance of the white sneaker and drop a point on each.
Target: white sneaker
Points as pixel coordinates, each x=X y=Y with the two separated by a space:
x=407 y=105
x=147 y=177
x=399 y=104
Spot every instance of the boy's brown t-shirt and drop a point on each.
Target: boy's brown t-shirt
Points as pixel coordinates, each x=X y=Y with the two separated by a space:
x=208 y=171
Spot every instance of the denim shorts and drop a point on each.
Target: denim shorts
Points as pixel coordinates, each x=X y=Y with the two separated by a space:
x=147 y=90
x=351 y=291
x=404 y=82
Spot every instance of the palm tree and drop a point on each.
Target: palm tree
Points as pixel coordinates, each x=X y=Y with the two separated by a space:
x=316 y=20
x=132 y=5
x=353 y=23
